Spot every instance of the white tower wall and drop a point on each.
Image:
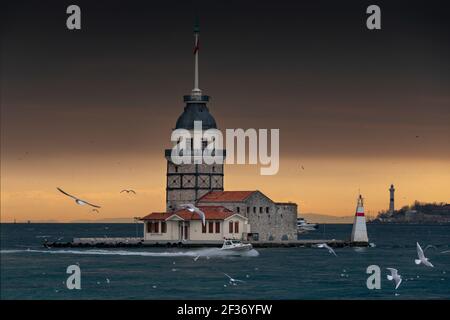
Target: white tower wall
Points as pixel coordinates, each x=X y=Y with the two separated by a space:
x=359 y=231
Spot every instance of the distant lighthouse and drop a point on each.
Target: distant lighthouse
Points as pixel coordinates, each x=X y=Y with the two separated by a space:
x=391 y=200
x=359 y=232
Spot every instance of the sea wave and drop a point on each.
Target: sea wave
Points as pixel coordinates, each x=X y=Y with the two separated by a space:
x=210 y=252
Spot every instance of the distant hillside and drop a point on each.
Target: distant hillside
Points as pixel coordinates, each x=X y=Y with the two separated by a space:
x=106 y=220
x=323 y=218
x=417 y=213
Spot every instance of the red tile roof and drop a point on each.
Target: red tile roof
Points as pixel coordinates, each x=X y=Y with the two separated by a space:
x=225 y=196
x=211 y=213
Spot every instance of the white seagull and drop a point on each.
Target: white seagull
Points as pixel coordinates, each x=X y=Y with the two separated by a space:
x=394 y=276
x=233 y=281
x=422 y=259
x=78 y=200
x=191 y=208
x=324 y=245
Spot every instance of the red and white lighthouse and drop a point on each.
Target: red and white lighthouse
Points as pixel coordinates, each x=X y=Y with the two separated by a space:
x=359 y=232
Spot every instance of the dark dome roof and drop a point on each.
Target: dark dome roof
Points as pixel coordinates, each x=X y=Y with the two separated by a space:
x=196 y=112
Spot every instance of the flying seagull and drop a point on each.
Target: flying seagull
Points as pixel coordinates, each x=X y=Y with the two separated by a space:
x=324 y=245
x=128 y=191
x=394 y=276
x=77 y=200
x=191 y=208
x=233 y=281
x=422 y=259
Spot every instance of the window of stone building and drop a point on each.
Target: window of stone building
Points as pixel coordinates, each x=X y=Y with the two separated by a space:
x=248 y=209
x=230 y=227
x=267 y=209
x=163 y=227
x=217 y=227
x=236 y=227
x=260 y=209
x=213 y=169
x=254 y=209
x=211 y=227
x=176 y=168
x=203 y=228
x=238 y=209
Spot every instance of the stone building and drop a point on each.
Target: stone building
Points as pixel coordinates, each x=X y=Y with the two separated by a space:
x=203 y=186
x=268 y=220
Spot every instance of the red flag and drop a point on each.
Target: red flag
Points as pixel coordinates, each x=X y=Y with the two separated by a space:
x=197 y=44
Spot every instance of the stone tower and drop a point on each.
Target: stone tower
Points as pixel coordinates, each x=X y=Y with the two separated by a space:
x=186 y=183
x=391 y=200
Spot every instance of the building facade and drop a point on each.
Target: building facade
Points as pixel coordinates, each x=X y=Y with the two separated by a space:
x=182 y=225
x=269 y=220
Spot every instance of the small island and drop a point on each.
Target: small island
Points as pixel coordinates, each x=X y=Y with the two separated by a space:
x=417 y=213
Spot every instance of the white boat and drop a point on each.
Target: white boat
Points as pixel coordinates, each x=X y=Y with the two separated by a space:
x=235 y=245
x=302 y=225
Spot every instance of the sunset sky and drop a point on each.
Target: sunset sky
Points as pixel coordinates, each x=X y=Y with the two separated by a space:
x=91 y=111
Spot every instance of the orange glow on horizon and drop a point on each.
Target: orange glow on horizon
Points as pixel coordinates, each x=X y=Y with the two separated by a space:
x=327 y=185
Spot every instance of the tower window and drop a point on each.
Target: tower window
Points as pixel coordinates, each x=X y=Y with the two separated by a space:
x=248 y=209
x=213 y=169
x=254 y=209
x=260 y=209
x=176 y=168
x=267 y=209
x=238 y=209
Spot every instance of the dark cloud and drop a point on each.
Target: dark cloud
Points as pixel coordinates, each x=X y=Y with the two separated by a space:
x=311 y=69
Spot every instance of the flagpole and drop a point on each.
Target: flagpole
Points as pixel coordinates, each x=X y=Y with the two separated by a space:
x=196 y=91
x=196 y=65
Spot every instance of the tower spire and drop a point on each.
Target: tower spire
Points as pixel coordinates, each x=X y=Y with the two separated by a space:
x=196 y=91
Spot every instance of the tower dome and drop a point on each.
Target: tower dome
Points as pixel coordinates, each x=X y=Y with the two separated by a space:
x=196 y=110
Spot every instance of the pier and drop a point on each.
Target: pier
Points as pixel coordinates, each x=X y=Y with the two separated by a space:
x=137 y=242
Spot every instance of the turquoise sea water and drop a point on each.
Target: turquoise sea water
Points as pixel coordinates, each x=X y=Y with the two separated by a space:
x=29 y=271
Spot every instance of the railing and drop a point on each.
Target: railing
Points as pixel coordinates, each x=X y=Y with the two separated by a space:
x=191 y=98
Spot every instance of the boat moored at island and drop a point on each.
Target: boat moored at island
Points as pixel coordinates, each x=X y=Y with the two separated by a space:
x=303 y=225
